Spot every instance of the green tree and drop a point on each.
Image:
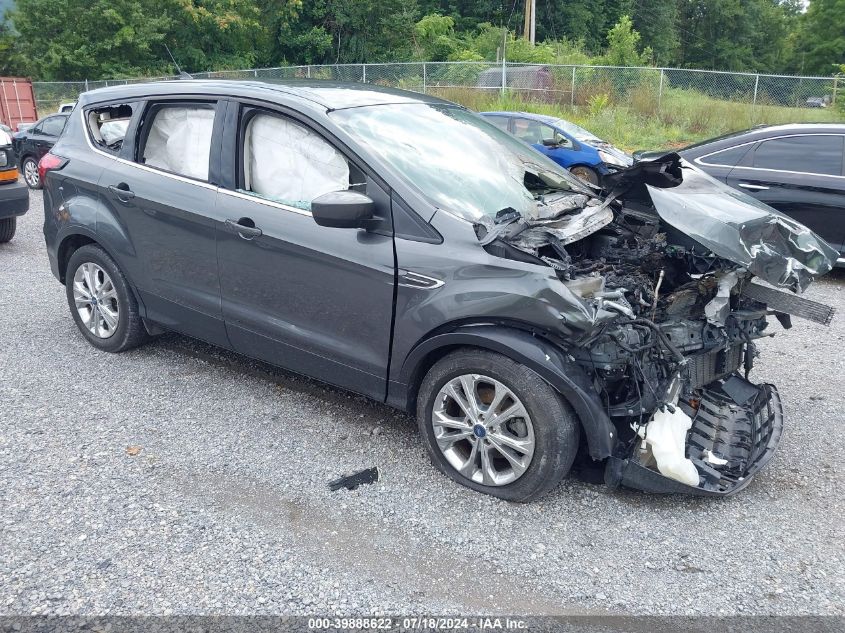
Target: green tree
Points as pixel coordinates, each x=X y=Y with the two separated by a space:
x=468 y=14
x=821 y=38
x=10 y=60
x=216 y=34
x=738 y=35
x=349 y=31
x=656 y=22
x=76 y=39
x=487 y=44
x=373 y=30
x=623 y=44
x=434 y=37
x=91 y=39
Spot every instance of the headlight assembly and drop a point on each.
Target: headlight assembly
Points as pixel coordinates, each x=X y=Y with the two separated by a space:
x=610 y=159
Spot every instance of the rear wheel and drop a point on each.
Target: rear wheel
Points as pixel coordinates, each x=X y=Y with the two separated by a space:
x=29 y=166
x=7 y=229
x=586 y=174
x=495 y=426
x=101 y=302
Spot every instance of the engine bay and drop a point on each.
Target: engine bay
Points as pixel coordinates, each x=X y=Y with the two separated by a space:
x=670 y=342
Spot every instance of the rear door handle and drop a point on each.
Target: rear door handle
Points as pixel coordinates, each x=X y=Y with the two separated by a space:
x=245 y=231
x=122 y=191
x=748 y=185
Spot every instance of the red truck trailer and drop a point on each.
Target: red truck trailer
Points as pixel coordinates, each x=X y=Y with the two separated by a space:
x=17 y=101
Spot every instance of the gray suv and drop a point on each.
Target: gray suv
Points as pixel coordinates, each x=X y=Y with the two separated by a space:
x=402 y=247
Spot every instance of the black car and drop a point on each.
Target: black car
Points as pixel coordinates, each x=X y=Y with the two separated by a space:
x=798 y=169
x=403 y=247
x=14 y=196
x=31 y=144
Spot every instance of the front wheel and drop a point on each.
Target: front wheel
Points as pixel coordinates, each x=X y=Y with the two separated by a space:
x=7 y=229
x=585 y=173
x=496 y=426
x=29 y=166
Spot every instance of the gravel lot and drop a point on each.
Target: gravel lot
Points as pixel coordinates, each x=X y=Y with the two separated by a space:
x=225 y=507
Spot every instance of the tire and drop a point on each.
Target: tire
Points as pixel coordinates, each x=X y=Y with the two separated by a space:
x=7 y=229
x=90 y=266
x=585 y=173
x=29 y=168
x=550 y=424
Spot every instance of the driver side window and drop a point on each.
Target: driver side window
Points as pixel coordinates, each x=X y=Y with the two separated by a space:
x=286 y=162
x=562 y=141
x=531 y=131
x=536 y=133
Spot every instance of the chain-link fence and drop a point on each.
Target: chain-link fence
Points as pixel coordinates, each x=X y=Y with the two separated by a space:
x=473 y=83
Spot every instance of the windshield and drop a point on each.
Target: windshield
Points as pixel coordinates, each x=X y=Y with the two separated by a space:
x=577 y=131
x=457 y=159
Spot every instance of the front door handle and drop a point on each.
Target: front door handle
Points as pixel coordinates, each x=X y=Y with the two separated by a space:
x=242 y=227
x=748 y=185
x=122 y=191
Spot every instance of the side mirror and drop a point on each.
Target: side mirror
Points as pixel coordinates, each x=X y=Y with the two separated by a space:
x=550 y=142
x=344 y=210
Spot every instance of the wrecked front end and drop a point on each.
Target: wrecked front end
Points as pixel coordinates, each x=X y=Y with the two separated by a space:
x=660 y=275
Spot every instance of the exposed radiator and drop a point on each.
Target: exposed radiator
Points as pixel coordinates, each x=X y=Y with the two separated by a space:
x=789 y=303
x=702 y=369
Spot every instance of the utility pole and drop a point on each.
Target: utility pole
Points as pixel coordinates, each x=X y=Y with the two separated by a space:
x=529 y=24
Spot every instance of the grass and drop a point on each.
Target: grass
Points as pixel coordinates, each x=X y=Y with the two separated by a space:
x=639 y=122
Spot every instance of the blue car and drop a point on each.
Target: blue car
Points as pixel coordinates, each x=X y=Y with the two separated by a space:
x=570 y=146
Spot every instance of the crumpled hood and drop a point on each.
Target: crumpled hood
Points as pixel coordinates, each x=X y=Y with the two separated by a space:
x=732 y=224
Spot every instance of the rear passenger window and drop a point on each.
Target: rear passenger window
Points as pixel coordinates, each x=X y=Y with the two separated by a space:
x=178 y=139
x=727 y=157
x=107 y=125
x=288 y=163
x=811 y=154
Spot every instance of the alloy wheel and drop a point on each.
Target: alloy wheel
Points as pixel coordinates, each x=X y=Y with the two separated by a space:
x=30 y=173
x=483 y=430
x=96 y=300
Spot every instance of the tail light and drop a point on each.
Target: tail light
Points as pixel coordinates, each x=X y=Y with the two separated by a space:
x=49 y=162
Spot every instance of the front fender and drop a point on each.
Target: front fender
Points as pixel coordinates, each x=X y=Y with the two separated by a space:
x=536 y=353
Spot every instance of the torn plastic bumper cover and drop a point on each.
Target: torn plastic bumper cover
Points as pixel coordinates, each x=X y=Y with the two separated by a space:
x=736 y=419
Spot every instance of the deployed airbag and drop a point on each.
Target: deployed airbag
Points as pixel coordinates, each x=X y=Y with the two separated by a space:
x=289 y=163
x=180 y=140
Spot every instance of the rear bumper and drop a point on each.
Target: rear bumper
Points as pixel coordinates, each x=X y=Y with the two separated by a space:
x=14 y=199
x=737 y=421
